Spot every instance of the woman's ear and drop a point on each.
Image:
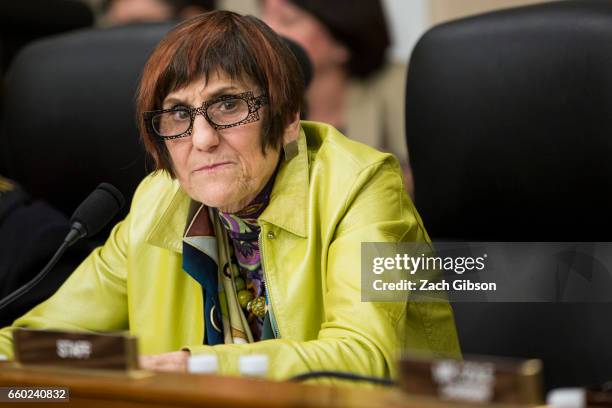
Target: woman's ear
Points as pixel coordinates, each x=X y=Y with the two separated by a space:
x=292 y=132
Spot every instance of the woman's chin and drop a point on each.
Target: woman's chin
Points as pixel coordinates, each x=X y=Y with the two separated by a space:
x=215 y=197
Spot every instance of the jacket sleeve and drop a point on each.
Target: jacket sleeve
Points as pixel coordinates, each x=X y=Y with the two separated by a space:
x=359 y=337
x=93 y=298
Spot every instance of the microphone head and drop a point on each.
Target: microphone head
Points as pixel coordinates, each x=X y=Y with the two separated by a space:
x=98 y=208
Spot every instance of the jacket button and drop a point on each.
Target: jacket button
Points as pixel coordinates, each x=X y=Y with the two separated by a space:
x=271 y=235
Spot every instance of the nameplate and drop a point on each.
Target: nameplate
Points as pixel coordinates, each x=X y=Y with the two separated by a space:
x=75 y=350
x=473 y=380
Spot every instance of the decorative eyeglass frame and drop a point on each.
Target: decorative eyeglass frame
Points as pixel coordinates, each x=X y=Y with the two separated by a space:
x=254 y=103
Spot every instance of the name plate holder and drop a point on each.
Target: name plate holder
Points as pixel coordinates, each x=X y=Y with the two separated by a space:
x=75 y=350
x=473 y=380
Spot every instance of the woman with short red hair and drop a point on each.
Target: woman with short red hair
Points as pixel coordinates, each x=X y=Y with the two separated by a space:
x=247 y=237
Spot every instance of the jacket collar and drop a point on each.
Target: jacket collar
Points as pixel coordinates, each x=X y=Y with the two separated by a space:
x=287 y=208
x=167 y=232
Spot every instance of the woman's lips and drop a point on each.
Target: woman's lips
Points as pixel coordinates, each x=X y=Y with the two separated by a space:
x=212 y=167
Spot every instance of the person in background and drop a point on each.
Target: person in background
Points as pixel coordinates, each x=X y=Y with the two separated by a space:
x=247 y=238
x=119 y=12
x=354 y=87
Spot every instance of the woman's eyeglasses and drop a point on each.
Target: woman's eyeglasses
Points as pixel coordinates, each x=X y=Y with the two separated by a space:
x=223 y=112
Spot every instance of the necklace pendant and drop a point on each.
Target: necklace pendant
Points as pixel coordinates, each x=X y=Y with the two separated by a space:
x=257 y=306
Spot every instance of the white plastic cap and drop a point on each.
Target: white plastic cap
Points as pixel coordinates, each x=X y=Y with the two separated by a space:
x=3 y=357
x=203 y=364
x=254 y=365
x=566 y=398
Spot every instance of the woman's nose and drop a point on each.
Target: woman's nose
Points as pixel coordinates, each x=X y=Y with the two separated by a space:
x=203 y=136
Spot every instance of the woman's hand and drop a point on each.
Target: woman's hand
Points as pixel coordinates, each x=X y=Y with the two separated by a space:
x=175 y=361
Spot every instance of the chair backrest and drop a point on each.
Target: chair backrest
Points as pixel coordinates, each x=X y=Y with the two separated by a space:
x=69 y=118
x=509 y=126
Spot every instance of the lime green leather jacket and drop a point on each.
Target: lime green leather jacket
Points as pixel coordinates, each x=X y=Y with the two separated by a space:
x=329 y=198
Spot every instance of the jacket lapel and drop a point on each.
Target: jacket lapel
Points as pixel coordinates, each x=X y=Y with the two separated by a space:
x=288 y=202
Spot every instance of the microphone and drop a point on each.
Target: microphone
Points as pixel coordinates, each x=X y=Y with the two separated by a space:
x=95 y=212
x=89 y=218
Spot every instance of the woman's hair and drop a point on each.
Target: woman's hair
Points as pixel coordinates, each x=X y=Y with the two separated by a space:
x=242 y=47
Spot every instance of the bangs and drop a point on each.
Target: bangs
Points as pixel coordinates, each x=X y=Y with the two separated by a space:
x=198 y=57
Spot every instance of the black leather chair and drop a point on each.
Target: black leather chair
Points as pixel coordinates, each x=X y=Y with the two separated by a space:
x=509 y=125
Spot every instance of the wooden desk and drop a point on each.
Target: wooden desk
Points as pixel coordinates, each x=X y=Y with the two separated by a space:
x=93 y=390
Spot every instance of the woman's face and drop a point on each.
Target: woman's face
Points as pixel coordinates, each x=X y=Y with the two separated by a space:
x=223 y=168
